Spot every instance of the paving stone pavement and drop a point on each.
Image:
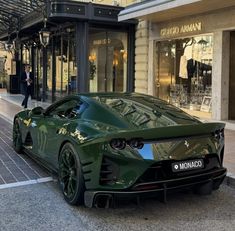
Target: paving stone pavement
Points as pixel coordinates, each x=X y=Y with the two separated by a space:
x=14 y=167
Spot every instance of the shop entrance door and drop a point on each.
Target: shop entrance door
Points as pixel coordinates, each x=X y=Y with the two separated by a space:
x=232 y=78
x=165 y=76
x=107 y=61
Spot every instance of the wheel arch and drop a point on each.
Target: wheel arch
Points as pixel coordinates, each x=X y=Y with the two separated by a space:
x=15 y=118
x=65 y=142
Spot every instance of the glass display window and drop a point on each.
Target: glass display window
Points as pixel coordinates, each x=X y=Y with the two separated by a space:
x=183 y=72
x=65 y=63
x=26 y=54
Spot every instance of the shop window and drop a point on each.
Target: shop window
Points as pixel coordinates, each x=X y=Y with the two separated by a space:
x=65 y=63
x=26 y=54
x=38 y=71
x=183 y=73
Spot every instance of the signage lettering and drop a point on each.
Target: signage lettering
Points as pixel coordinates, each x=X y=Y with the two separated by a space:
x=102 y=41
x=177 y=30
x=195 y=164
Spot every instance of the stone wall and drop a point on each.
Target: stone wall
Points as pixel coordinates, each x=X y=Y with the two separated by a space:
x=141 y=57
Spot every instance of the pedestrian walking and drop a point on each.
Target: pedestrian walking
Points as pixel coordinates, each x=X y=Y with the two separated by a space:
x=27 y=85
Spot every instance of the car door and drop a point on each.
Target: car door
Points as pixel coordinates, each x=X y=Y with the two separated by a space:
x=49 y=127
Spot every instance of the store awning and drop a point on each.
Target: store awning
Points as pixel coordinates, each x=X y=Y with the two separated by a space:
x=12 y=12
x=164 y=10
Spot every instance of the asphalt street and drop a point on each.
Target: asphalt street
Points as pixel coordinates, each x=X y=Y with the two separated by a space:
x=42 y=207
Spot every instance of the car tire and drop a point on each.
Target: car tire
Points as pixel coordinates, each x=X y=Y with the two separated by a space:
x=70 y=175
x=17 y=137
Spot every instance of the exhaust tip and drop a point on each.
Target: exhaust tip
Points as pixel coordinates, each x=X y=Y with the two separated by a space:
x=103 y=201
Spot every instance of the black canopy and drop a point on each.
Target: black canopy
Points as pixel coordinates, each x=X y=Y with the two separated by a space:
x=12 y=11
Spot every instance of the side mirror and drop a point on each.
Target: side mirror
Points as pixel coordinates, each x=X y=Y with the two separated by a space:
x=37 y=111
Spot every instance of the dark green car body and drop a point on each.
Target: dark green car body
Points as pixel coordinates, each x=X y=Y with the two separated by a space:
x=127 y=144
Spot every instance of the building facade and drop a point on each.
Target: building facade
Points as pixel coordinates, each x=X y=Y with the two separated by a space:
x=185 y=54
x=88 y=51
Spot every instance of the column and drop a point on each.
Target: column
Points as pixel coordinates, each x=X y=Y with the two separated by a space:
x=220 y=75
x=82 y=56
x=141 y=57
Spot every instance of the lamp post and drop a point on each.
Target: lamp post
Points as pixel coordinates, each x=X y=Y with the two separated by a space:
x=44 y=35
x=9 y=46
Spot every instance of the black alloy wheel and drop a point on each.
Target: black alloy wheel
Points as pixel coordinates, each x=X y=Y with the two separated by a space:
x=70 y=175
x=17 y=137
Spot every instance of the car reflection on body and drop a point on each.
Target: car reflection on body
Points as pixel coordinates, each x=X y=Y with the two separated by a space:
x=109 y=145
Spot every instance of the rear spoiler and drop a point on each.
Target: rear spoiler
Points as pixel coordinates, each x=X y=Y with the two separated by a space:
x=164 y=133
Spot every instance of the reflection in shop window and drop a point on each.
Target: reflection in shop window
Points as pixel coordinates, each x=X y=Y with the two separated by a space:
x=107 y=61
x=183 y=72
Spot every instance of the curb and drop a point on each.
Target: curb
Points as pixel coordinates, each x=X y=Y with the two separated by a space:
x=229 y=180
x=5 y=98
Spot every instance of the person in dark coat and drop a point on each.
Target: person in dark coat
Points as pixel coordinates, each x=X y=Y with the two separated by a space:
x=27 y=85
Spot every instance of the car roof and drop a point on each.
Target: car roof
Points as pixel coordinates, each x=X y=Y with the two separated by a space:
x=135 y=109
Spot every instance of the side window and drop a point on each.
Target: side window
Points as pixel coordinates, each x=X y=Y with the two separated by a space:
x=68 y=109
x=76 y=110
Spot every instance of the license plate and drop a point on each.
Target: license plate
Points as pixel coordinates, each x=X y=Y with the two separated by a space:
x=187 y=165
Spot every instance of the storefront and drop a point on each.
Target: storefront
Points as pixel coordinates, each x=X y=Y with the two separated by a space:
x=183 y=69
x=192 y=64
x=190 y=51
x=89 y=50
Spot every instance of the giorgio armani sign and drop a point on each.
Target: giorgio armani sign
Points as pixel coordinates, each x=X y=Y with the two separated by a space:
x=181 y=29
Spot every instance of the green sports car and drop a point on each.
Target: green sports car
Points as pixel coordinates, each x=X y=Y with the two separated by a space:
x=109 y=145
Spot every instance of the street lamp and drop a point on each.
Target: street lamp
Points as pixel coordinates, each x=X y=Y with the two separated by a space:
x=16 y=43
x=9 y=45
x=44 y=35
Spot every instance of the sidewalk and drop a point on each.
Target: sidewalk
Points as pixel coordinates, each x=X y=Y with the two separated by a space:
x=11 y=104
